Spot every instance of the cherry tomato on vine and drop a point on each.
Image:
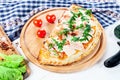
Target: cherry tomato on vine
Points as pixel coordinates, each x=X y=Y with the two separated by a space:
x=41 y=33
x=50 y=18
x=37 y=22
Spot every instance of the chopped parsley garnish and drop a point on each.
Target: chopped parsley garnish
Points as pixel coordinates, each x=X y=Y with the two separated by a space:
x=65 y=31
x=88 y=12
x=60 y=44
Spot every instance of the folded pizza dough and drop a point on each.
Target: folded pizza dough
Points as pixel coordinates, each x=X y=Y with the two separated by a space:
x=74 y=38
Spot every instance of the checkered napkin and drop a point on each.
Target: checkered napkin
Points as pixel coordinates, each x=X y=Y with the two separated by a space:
x=13 y=15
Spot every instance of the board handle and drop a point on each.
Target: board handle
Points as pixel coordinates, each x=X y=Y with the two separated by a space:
x=113 y=61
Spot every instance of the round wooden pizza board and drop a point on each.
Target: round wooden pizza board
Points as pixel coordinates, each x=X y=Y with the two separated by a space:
x=31 y=44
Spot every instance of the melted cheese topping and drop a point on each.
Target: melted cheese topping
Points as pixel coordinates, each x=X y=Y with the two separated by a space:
x=70 y=49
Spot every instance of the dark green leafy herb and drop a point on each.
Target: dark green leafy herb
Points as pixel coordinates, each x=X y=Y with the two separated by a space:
x=64 y=31
x=86 y=32
x=80 y=26
x=80 y=14
x=50 y=45
x=71 y=22
x=83 y=39
x=88 y=12
x=74 y=15
x=84 y=18
x=88 y=28
x=60 y=44
x=75 y=39
x=71 y=27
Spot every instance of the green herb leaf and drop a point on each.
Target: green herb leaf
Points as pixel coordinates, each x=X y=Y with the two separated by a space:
x=88 y=28
x=88 y=12
x=55 y=41
x=64 y=31
x=71 y=21
x=75 y=39
x=84 y=18
x=79 y=27
x=50 y=45
x=86 y=33
x=82 y=39
x=74 y=14
x=60 y=44
x=79 y=14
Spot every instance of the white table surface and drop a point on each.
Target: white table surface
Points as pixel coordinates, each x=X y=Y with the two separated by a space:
x=96 y=72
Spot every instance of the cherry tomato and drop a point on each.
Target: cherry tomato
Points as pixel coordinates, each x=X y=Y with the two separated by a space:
x=41 y=33
x=37 y=22
x=51 y=18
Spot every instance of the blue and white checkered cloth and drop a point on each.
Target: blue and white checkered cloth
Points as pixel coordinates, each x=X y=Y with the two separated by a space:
x=13 y=15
